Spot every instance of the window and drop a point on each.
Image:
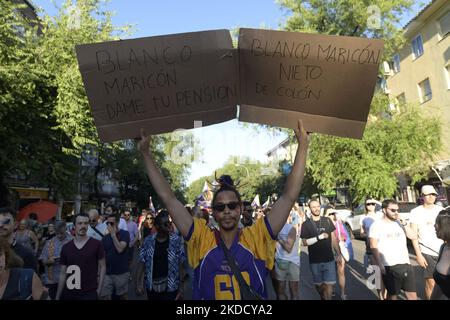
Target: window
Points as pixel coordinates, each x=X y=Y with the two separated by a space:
x=400 y=100
x=425 y=90
x=417 y=46
x=444 y=24
x=396 y=63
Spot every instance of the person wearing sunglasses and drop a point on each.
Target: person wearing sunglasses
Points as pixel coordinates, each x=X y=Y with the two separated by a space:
x=441 y=272
x=161 y=259
x=387 y=239
x=115 y=244
x=96 y=229
x=252 y=247
x=426 y=244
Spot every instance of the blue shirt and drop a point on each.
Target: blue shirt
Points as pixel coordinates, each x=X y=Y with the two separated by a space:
x=116 y=263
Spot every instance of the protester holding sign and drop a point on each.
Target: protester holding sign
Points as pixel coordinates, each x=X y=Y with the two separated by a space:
x=253 y=247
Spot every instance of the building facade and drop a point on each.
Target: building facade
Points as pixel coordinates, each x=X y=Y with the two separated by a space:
x=419 y=74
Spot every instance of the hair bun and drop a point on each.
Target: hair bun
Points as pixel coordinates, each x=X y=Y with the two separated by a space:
x=225 y=180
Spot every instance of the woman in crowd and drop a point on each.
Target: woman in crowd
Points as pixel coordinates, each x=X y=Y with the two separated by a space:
x=342 y=235
x=441 y=273
x=17 y=283
x=26 y=237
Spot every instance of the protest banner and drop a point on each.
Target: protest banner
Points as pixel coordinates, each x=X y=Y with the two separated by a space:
x=327 y=81
x=160 y=83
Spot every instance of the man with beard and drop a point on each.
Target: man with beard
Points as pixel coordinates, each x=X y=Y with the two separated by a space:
x=318 y=234
x=82 y=265
x=211 y=252
x=389 y=248
x=7 y=216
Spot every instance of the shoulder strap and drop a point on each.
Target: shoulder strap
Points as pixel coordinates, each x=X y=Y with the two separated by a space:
x=243 y=286
x=96 y=230
x=25 y=283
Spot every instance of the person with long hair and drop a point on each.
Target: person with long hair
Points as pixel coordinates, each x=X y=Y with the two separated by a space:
x=252 y=247
x=441 y=272
x=342 y=236
x=17 y=283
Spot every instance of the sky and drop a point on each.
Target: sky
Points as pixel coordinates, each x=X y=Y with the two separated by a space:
x=162 y=17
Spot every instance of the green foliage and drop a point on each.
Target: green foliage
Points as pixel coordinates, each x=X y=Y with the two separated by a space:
x=30 y=141
x=45 y=117
x=80 y=22
x=404 y=144
x=343 y=17
x=250 y=178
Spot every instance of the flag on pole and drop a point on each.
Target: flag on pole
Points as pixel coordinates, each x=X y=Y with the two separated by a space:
x=256 y=203
x=266 y=204
x=150 y=205
x=202 y=202
x=206 y=191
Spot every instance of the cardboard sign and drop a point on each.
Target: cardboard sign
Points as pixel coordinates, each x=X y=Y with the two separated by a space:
x=160 y=83
x=327 y=81
x=168 y=82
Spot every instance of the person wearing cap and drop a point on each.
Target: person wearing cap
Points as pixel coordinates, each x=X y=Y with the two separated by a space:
x=366 y=222
x=426 y=244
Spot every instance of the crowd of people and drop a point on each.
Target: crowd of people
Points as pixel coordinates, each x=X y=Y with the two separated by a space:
x=228 y=251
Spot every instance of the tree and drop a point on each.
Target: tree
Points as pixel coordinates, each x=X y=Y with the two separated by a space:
x=45 y=115
x=30 y=141
x=262 y=179
x=368 y=18
x=87 y=21
x=394 y=143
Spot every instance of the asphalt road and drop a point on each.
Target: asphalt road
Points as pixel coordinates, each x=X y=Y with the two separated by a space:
x=356 y=279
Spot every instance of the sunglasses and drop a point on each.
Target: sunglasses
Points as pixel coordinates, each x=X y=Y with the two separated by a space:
x=110 y=223
x=5 y=222
x=92 y=221
x=393 y=210
x=221 y=207
x=370 y=204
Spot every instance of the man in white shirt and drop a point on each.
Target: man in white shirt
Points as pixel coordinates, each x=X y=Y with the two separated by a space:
x=426 y=244
x=96 y=229
x=388 y=244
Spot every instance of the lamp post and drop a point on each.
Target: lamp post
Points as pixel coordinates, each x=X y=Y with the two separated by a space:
x=240 y=165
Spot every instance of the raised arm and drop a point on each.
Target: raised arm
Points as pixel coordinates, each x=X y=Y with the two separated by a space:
x=280 y=210
x=180 y=215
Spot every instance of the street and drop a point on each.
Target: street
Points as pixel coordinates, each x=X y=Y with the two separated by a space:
x=355 y=276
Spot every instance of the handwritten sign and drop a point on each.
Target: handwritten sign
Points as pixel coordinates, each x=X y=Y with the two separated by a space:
x=168 y=82
x=160 y=83
x=327 y=81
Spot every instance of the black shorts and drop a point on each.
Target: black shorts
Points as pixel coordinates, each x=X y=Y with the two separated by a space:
x=398 y=277
x=431 y=261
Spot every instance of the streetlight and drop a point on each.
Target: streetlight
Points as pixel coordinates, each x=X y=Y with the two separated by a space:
x=240 y=165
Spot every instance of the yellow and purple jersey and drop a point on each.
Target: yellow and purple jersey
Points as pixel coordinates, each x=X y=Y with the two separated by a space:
x=253 y=250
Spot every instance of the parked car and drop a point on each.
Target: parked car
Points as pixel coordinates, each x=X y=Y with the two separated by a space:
x=352 y=218
x=404 y=210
